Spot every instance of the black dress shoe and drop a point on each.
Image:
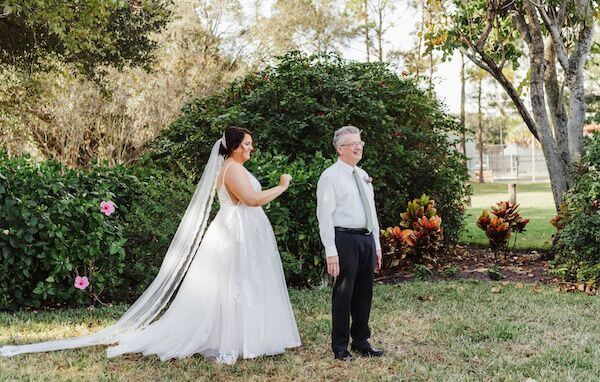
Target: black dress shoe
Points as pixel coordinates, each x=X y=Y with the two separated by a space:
x=343 y=356
x=368 y=351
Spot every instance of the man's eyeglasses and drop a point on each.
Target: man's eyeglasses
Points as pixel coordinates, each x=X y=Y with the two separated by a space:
x=355 y=144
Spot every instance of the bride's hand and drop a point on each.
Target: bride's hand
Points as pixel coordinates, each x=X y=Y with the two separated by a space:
x=284 y=180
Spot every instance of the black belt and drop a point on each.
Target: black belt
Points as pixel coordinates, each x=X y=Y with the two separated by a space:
x=356 y=231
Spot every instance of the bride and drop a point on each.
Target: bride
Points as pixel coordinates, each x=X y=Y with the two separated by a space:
x=232 y=300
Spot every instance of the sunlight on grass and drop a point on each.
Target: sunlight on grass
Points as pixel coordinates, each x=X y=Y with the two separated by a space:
x=535 y=203
x=502 y=188
x=514 y=335
x=538 y=234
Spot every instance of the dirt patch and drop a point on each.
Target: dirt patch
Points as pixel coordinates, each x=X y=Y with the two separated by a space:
x=468 y=262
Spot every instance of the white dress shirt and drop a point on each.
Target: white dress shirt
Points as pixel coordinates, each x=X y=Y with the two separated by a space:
x=339 y=204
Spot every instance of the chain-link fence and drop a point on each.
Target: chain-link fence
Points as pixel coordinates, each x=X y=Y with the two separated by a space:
x=509 y=162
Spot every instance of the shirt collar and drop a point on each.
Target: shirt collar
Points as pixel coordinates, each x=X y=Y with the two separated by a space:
x=345 y=166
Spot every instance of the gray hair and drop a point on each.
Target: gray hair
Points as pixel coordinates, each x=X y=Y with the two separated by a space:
x=344 y=130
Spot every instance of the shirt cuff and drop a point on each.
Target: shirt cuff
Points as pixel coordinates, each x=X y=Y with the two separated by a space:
x=331 y=251
x=377 y=242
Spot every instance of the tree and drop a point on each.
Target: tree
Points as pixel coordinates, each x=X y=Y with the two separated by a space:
x=59 y=113
x=555 y=36
x=374 y=17
x=592 y=73
x=421 y=58
x=85 y=33
x=484 y=100
x=312 y=26
x=463 y=83
x=478 y=76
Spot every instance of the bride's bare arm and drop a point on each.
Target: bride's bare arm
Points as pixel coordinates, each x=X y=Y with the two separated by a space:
x=239 y=185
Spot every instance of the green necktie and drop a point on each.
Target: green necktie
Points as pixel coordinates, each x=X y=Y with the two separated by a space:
x=364 y=199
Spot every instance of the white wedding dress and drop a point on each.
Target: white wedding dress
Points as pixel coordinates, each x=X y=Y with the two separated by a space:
x=233 y=302
x=232 y=299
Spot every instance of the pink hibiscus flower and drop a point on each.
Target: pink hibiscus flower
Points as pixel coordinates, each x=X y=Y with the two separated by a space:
x=81 y=282
x=107 y=208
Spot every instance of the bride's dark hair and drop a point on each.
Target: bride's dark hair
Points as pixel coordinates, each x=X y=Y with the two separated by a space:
x=233 y=139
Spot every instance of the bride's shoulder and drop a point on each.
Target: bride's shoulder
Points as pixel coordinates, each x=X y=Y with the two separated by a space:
x=232 y=165
x=232 y=170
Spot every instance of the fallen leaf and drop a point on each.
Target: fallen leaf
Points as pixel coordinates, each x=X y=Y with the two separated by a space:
x=496 y=289
x=519 y=285
x=505 y=283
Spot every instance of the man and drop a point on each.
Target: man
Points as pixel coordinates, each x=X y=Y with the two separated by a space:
x=349 y=231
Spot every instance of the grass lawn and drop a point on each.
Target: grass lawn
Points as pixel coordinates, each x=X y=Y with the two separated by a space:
x=445 y=331
x=536 y=204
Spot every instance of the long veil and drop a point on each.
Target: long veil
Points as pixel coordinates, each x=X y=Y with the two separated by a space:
x=180 y=254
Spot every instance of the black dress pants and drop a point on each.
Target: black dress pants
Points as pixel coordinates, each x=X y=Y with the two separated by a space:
x=353 y=290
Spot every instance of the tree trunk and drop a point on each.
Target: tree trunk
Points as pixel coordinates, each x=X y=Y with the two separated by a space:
x=430 y=70
x=561 y=141
x=575 y=81
x=463 y=137
x=480 y=130
x=556 y=103
x=380 y=34
x=366 y=19
x=421 y=36
x=556 y=169
x=430 y=56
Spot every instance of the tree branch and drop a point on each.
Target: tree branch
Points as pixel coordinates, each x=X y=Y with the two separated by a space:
x=561 y=13
x=584 y=43
x=554 y=29
x=477 y=61
x=519 y=20
x=487 y=63
x=490 y=25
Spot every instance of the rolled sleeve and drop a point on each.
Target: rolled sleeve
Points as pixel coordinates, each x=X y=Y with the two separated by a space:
x=376 y=230
x=325 y=209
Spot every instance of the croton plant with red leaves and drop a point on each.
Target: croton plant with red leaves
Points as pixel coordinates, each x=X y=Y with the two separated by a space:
x=500 y=223
x=418 y=235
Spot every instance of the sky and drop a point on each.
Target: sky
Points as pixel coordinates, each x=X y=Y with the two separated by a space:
x=447 y=75
x=401 y=36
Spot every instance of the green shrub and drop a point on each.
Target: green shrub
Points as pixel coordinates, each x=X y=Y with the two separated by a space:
x=293 y=215
x=293 y=109
x=52 y=230
x=155 y=204
x=577 y=242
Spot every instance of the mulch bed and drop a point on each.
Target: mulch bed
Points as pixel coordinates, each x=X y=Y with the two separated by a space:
x=470 y=262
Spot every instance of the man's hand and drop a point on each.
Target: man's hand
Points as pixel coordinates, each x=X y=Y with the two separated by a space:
x=333 y=266
x=378 y=261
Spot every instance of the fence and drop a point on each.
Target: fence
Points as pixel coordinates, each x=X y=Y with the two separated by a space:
x=508 y=163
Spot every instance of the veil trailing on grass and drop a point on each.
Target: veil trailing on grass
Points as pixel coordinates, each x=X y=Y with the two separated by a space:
x=155 y=298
